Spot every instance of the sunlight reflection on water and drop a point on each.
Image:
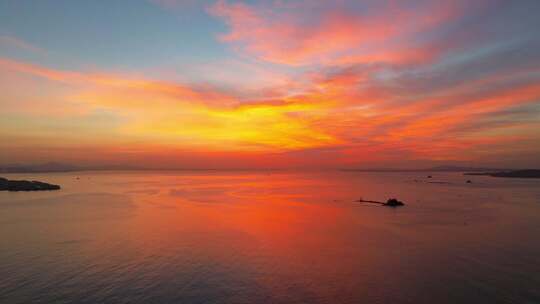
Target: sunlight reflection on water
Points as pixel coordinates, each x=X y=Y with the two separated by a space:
x=270 y=237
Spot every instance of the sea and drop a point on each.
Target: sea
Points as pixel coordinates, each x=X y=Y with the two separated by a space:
x=270 y=237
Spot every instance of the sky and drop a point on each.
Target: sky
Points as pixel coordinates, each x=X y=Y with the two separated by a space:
x=270 y=84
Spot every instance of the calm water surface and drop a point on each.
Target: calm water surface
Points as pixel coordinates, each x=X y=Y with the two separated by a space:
x=270 y=237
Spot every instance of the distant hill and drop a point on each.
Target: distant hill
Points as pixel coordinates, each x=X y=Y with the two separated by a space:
x=530 y=173
x=47 y=167
x=61 y=167
x=433 y=169
x=463 y=169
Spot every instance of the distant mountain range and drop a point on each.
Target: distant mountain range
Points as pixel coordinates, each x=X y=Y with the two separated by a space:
x=530 y=173
x=61 y=167
x=433 y=169
x=47 y=167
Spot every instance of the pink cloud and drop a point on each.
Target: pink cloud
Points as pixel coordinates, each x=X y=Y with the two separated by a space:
x=334 y=36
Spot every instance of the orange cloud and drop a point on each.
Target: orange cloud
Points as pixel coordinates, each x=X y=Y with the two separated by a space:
x=325 y=88
x=180 y=115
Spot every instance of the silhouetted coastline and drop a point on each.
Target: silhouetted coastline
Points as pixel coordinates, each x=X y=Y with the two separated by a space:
x=427 y=170
x=24 y=185
x=529 y=173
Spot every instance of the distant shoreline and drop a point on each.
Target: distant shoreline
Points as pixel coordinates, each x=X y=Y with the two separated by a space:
x=63 y=168
x=435 y=169
x=529 y=173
